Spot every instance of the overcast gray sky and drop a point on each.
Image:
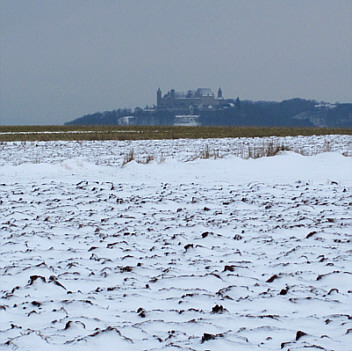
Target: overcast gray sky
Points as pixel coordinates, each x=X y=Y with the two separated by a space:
x=62 y=59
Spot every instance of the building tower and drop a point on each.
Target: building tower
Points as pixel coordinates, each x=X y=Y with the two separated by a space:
x=158 y=97
x=219 y=93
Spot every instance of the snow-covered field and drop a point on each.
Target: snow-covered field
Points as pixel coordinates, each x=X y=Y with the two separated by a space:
x=183 y=254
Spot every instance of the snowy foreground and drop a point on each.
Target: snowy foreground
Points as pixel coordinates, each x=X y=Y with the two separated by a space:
x=183 y=254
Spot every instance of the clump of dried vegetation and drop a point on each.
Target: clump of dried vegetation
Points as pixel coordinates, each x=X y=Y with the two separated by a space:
x=245 y=151
x=208 y=153
x=143 y=159
x=268 y=149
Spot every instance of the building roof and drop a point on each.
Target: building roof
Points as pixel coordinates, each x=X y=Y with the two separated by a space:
x=205 y=92
x=180 y=95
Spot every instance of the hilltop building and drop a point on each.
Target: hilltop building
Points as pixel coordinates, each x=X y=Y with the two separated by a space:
x=202 y=98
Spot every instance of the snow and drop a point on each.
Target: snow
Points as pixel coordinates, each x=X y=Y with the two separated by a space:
x=188 y=253
x=73 y=131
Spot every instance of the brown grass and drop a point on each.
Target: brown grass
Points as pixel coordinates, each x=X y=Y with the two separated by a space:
x=49 y=133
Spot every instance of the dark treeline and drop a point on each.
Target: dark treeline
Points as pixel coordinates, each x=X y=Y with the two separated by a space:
x=288 y=113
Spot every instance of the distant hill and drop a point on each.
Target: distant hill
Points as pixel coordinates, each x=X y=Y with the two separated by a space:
x=287 y=113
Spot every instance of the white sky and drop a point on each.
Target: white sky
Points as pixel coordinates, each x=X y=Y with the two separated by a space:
x=62 y=59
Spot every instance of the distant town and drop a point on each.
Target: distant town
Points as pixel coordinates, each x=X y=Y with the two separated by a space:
x=202 y=107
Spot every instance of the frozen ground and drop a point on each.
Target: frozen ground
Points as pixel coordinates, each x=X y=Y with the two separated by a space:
x=225 y=254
